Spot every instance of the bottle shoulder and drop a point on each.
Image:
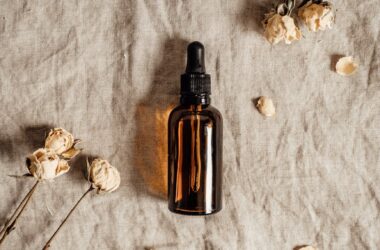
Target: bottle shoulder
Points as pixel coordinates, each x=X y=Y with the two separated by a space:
x=215 y=112
x=182 y=111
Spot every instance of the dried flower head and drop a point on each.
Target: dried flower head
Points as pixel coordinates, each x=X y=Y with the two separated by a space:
x=317 y=15
x=103 y=175
x=62 y=142
x=265 y=106
x=45 y=164
x=280 y=26
x=346 y=66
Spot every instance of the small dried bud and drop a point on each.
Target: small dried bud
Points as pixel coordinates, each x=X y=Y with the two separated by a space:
x=45 y=164
x=62 y=142
x=346 y=66
x=280 y=28
x=265 y=106
x=103 y=175
x=317 y=16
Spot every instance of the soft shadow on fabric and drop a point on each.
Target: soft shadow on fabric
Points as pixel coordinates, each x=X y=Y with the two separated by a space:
x=6 y=147
x=11 y=148
x=78 y=170
x=33 y=136
x=253 y=13
x=299 y=247
x=334 y=60
x=152 y=113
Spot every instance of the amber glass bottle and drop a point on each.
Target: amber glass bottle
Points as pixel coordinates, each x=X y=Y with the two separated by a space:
x=195 y=143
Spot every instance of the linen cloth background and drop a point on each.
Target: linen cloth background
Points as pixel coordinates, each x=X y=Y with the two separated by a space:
x=108 y=71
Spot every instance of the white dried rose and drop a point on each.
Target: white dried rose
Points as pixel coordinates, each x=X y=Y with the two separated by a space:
x=62 y=142
x=280 y=26
x=103 y=175
x=265 y=106
x=346 y=66
x=45 y=164
x=317 y=16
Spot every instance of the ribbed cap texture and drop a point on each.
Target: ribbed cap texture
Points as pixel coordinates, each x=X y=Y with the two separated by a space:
x=195 y=84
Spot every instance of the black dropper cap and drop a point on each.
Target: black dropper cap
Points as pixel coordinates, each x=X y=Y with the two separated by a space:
x=195 y=81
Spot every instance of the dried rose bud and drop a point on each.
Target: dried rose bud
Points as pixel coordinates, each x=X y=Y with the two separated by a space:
x=265 y=106
x=45 y=164
x=280 y=26
x=62 y=142
x=103 y=175
x=317 y=15
x=346 y=66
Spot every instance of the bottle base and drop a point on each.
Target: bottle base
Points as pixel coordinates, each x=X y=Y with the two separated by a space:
x=194 y=212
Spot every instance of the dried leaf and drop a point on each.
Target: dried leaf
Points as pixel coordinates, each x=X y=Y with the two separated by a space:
x=71 y=153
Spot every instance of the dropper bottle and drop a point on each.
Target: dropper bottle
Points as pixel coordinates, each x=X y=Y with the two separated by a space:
x=195 y=143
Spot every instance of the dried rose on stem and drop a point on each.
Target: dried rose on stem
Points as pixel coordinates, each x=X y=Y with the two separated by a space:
x=44 y=164
x=280 y=26
x=103 y=177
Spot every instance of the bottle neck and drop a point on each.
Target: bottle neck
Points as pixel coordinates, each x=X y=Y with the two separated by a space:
x=202 y=99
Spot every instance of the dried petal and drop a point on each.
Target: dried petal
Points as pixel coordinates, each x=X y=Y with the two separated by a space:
x=292 y=31
x=346 y=66
x=71 y=153
x=62 y=168
x=317 y=16
x=103 y=175
x=265 y=106
x=59 y=140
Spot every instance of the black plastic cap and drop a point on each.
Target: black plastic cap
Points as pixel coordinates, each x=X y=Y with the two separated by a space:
x=195 y=58
x=195 y=81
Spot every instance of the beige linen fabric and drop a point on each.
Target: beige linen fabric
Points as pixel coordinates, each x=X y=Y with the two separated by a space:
x=108 y=71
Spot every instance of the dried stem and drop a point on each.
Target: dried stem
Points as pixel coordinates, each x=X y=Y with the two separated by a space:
x=9 y=225
x=47 y=245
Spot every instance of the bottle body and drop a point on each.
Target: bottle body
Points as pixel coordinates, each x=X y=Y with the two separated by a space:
x=195 y=133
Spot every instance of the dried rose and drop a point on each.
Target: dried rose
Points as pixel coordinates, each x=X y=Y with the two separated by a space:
x=62 y=142
x=346 y=66
x=103 y=175
x=265 y=106
x=317 y=15
x=45 y=164
x=280 y=26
